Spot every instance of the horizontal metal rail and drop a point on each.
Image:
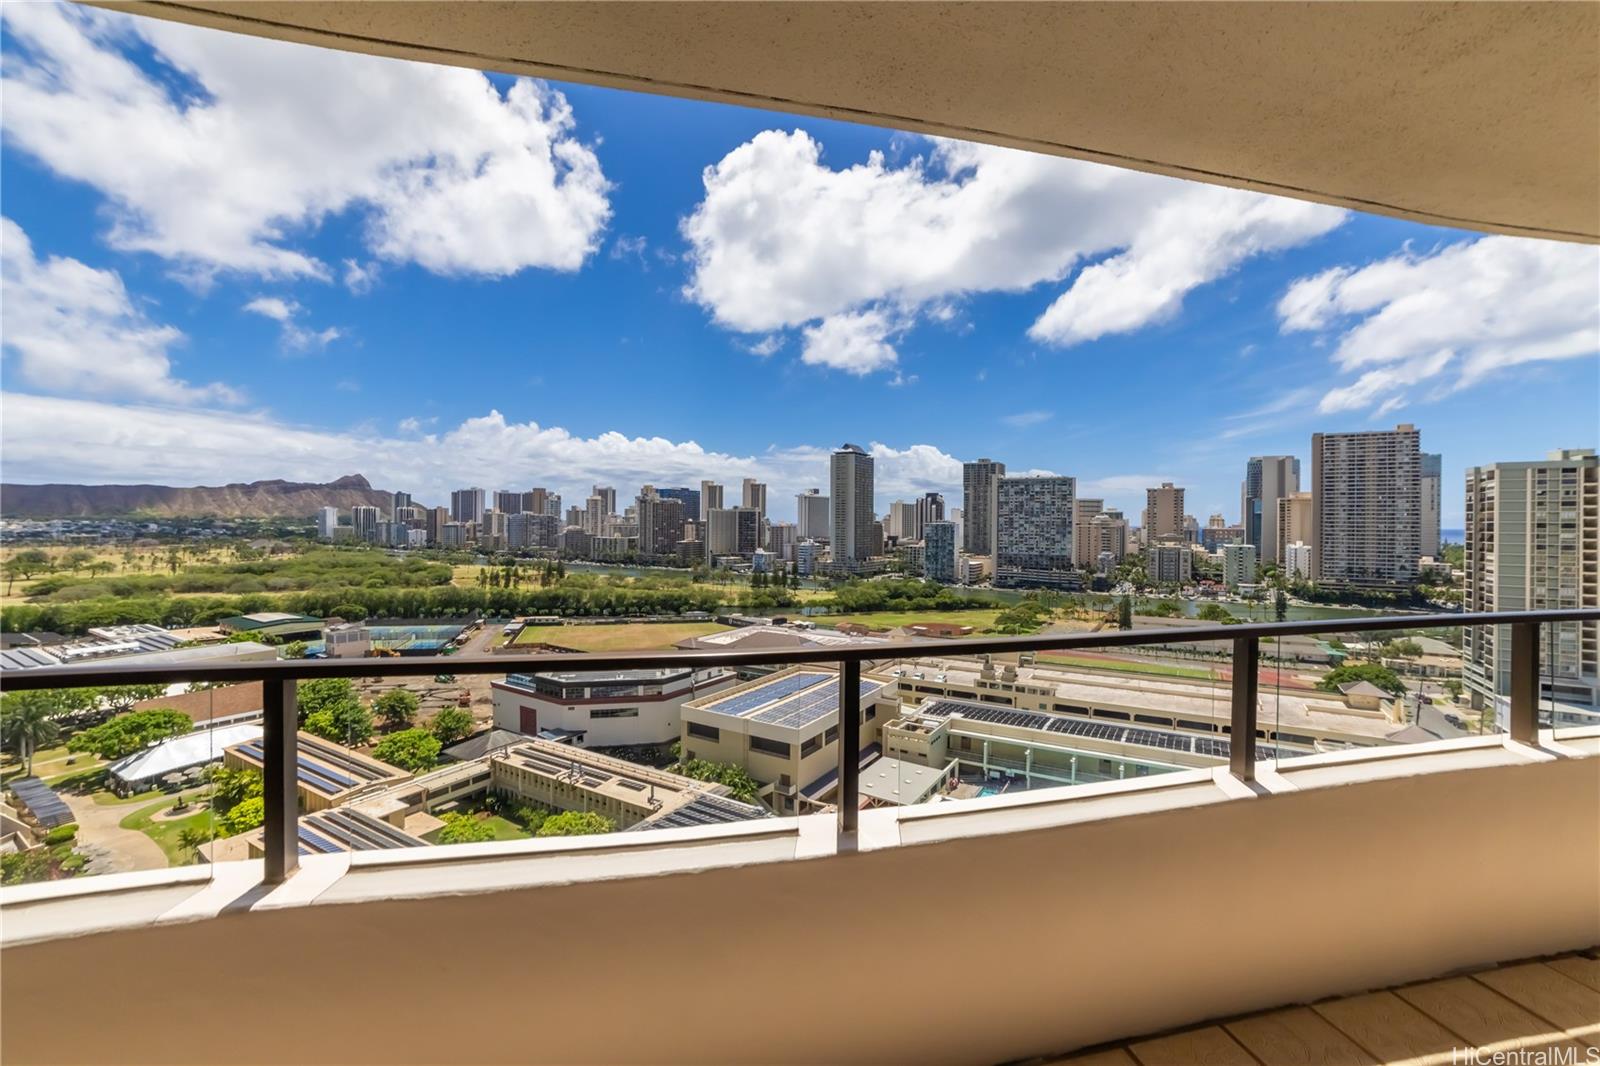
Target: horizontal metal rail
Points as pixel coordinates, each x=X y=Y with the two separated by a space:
x=109 y=673
x=281 y=677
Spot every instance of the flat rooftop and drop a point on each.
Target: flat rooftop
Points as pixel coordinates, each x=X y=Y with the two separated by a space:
x=606 y=677
x=791 y=700
x=1071 y=725
x=327 y=768
x=1289 y=710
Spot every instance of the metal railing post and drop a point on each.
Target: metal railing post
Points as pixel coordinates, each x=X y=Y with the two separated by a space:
x=1242 y=738
x=849 y=745
x=1523 y=723
x=280 y=748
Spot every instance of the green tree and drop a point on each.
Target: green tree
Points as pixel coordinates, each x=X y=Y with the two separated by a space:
x=247 y=815
x=192 y=838
x=322 y=693
x=397 y=708
x=343 y=723
x=452 y=724
x=575 y=824
x=1280 y=605
x=740 y=785
x=27 y=723
x=410 y=749
x=1215 y=612
x=128 y=733
x=30 y=561
x=460 y=828
x=1404 y=648
x=350 y=612
x=295 y=649
x=77 y=559
x=1381 y=676
x=121 y=698
x=231 y=787
x=1125 y=613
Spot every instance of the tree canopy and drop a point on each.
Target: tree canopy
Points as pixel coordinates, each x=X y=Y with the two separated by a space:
x=410 y=749
x=575 y=824
x=461 y=828
x=397 y=707
x=452 y=724
x=740 y=785
x=128 y=733
x=1381 y=676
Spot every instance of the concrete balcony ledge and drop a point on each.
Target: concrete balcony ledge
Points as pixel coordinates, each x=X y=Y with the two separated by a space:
x=1108 y=910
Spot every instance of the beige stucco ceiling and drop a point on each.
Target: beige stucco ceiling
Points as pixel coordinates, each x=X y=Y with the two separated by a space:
x=1481 y=115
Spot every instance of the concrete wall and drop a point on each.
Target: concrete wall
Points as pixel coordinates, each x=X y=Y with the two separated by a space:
x=1150 y=905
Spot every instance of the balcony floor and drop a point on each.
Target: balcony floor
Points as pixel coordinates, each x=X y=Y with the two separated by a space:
x=1529 y=1006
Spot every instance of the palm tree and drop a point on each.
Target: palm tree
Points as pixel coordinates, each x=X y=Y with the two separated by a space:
x=27 y=724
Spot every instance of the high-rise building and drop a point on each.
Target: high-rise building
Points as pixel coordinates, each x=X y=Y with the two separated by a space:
x=1294 y=525
x=541 y=501
x=1238 y=564
x=930 y=508
x=1033 y=529
x=733 y=531
x=660 y=525
x=1168 y=562
x=364 y=523
x=939 y=551
x=1267 y=479
x=977 y=505
x=1431 y=465
x=327 y=522
x=710 y=499
x=434 y=521
x=812 y=516
x=492 y=533
x=608 y=499
x=903 y=523
x=755 y=495
x=1084 y=549
x=508 y=502
x=1366 y=507
x=690 y=498
x=1297 y=562
x=853 y=487
x=781 y=541
x=402 y=501
x=1163 y=513
x=594 y=515
x=575 y=518
x=466 y=505
x=1533 y=544
x=1108 y=537
x=531 y=530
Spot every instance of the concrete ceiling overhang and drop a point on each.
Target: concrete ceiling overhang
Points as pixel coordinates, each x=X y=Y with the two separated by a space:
x=1479 y=115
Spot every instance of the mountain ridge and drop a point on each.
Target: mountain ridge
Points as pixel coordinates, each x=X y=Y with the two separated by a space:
x=273 y=498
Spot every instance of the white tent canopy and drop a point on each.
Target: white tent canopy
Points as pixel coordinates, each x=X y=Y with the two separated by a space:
x=181 y=753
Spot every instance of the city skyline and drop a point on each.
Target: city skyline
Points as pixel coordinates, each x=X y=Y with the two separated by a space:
x=216 y=316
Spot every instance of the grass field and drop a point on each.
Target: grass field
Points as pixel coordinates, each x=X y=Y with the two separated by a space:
x=637 y=636
x=1125 y=666
x=166 y=833
x=504 y=829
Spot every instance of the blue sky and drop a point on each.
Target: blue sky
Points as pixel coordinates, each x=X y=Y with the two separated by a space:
x=229 y=259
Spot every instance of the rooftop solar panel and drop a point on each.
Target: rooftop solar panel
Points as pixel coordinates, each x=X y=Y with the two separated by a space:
x=1212 y=746
x=42 y=800
x=742 y=702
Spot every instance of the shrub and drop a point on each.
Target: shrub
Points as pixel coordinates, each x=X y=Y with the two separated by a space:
x=247 y=815
x=462 y=828
x=61 y=833
x=575 y=824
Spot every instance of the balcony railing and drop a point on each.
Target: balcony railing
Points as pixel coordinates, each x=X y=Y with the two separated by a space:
x=280 y=679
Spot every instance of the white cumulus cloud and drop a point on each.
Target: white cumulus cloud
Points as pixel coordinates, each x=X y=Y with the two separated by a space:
x=242 y=145
x=296 y=338
x=1461 y=313
x=781 y=240
x=73 y=328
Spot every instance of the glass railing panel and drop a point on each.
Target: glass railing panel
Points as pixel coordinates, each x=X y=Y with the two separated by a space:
x=1343 y=689
x=116 y=779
